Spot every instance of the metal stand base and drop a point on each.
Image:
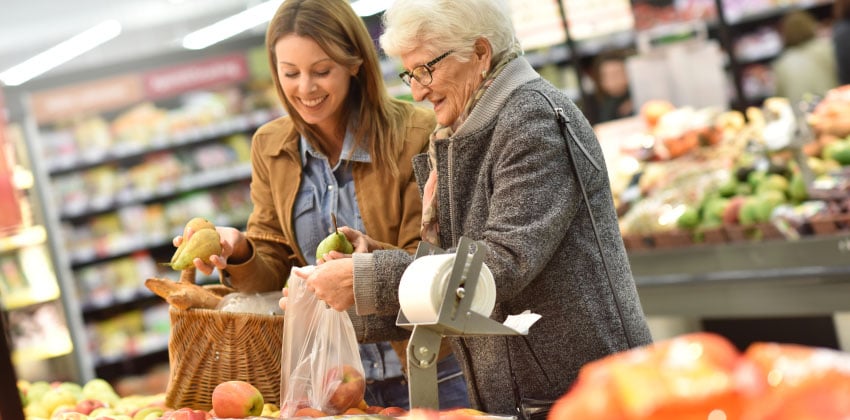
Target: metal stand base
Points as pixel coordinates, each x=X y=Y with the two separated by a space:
x=454 y=319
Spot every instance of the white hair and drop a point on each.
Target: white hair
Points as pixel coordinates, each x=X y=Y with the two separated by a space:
x=442 y=25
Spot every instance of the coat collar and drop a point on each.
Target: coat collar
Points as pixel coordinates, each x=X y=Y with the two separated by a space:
x=515 y=74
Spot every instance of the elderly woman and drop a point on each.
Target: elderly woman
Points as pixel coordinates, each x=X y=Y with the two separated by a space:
x=498 y=171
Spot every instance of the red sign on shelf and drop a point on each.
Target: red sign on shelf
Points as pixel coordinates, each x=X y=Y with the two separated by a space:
x=10 y=208
x=92 y=97
x=197 y=75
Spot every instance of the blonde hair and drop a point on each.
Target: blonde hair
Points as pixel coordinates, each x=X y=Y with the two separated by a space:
x=443 y=25
x=380 y=119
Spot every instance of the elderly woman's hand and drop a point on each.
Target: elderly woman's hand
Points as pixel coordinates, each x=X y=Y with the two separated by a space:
x=332 y=282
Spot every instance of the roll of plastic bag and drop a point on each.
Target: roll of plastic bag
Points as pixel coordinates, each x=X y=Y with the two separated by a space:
x=424 y=284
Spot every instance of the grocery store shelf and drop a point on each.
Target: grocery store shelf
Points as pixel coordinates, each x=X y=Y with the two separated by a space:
x=191 y=182
x=154 y=350
x=809 y=276
x=23 y=298
x=189 y=137
x=135 y=364
x=130 y=244
x=773 y=12
x=59 y=347
x=35 y=235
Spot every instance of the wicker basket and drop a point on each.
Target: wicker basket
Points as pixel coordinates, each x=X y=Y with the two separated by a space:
x=208 y=347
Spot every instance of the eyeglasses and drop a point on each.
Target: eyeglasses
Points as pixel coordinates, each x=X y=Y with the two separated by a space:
x=422 y=73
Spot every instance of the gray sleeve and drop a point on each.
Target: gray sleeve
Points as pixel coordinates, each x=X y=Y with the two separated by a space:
x=376 y=280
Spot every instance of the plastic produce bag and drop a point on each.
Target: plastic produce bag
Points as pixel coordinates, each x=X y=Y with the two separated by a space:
x=320 y=361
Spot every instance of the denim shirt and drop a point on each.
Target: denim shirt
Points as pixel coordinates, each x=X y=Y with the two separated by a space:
x=325 y=190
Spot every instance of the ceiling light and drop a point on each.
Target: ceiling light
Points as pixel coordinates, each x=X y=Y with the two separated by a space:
x=365 y=8
x=231 y=26
x=61 y=53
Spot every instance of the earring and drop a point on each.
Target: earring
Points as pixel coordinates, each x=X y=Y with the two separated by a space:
x=484 y=74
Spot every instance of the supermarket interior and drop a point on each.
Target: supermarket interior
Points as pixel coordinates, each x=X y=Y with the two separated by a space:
x=732 y=198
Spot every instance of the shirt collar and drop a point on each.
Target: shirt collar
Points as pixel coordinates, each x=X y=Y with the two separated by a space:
x=360 y=154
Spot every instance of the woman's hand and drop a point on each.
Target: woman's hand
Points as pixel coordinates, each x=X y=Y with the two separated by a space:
x=332 y=282
x=233 y=244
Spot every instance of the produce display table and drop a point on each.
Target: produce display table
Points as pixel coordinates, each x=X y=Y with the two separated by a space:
x=771 y=278
x=799 y=288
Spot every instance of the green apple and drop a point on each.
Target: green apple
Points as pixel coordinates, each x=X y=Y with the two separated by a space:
x=36 y=410
x=37 y=390
x=100 y=389
x=73 y=388
x=102 y=412
x=143 y=413
x=57 y=397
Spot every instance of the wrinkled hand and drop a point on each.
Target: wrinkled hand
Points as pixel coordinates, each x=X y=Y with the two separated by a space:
x=332 y=282
x=233 y=242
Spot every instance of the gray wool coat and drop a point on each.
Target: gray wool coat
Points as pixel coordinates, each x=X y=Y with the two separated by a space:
x=505 y=179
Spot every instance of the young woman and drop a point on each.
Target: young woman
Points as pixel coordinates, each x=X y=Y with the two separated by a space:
x=345 y=148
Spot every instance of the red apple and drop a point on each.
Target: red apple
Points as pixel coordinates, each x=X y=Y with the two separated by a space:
x=187 y=413
x=347 y=387
x=373 y=409
x=88 y=405
x=237 y=399
x=309 y=412
x=392 y=412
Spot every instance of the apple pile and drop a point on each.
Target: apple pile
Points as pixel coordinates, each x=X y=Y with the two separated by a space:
x=96 y=399
x=703 y=376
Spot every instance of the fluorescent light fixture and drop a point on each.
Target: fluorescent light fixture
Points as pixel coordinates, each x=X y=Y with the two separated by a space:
x=61 y=53
x=231 y=26
x=257 y=15
x=365 y=8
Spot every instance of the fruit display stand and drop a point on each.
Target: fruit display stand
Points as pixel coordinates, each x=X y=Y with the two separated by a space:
x=759 y=241
x=807 y=276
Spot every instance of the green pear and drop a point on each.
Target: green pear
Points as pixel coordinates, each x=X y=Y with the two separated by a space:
x=336 y=241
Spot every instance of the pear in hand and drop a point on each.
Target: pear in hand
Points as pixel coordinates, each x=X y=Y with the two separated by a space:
x=336 y=241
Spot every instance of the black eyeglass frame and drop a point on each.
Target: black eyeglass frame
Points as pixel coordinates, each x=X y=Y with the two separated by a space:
x=407 y=75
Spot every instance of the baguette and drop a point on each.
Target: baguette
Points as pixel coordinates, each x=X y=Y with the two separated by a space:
x=183 y=294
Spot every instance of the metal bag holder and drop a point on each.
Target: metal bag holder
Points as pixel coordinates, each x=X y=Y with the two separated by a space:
x=454 y=319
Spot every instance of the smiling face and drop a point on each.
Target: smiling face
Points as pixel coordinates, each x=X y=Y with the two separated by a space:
x=453 y=82
x=315 y=85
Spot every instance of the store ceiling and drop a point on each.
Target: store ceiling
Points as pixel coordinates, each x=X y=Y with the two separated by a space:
x=150 y=27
